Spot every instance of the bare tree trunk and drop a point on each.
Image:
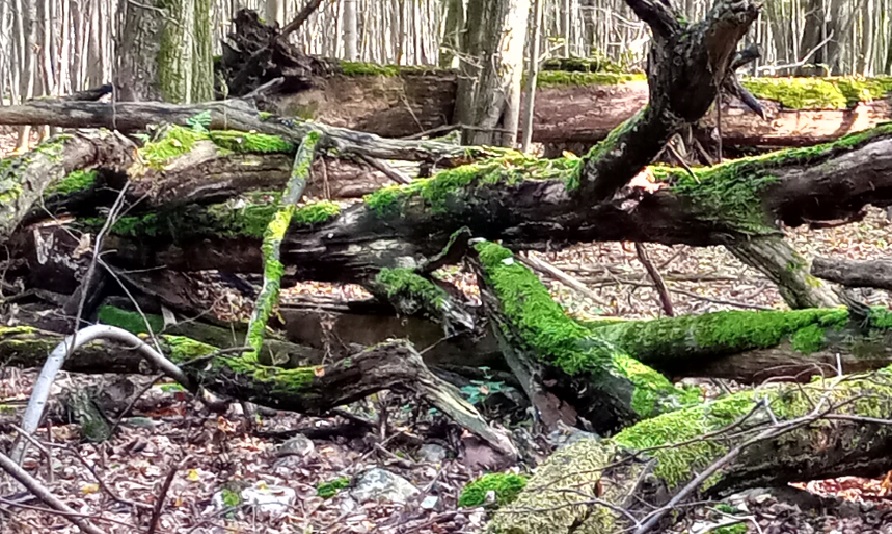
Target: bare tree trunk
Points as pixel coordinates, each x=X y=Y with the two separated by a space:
x=154 y=51
x=491 y=72
x=532 y=77
x=350 y=30
x=202 y=53
x=27 y=17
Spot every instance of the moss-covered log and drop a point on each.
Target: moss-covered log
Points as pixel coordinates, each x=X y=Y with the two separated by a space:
x=56 y=168
x=769 y=436
x=593 y=379
x=411 y=293
x=525 y=202
x=275 y=231
x=776 y=259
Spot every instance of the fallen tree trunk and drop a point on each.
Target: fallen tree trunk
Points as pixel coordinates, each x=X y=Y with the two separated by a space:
x=25 y=179
x=524 y=202
x=570 y=371
x=768 y=436
x=875 y=273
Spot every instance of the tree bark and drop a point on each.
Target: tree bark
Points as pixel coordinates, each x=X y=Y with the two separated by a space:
x=875 y=273
x=24 y=180
x=491 y=66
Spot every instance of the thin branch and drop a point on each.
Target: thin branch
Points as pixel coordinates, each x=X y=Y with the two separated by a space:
x=301 y=17
x=657 y=279
x=42 y=385
x=45 y=496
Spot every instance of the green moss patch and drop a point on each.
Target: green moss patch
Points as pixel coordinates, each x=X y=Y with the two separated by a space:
x=244 y=216
x=331 y=488
x=75 y=182
x=555 y=339
x=555 y=78
x=819 y=93
x=730 y=193
x=453 y=185
x=726 y=332
x=129 y=321
x=506 y=487
x=408 y=286
x=175 y=141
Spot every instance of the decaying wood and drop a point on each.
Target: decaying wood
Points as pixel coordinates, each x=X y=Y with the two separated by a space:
x=631 y=480
x=25 y=178
x=534 y=214
x=390 y=365
x=874 y=273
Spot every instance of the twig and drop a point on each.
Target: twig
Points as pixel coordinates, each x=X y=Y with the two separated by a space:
x=40 y=491
x=388 y=171
x=657 y=279
x=162 y=496
x=544 y=267
x=301 y=17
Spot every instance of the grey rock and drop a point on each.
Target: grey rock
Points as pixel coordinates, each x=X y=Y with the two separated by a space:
x=433 y=453
x=381 y=485
x=299 y=445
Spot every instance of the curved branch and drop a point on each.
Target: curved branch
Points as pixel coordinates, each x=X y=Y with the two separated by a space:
x=41 y=390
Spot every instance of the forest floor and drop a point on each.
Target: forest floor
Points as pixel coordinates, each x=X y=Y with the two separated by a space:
x=213 y=454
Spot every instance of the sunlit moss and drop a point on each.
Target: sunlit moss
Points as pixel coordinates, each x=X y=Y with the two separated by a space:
x=820 y=93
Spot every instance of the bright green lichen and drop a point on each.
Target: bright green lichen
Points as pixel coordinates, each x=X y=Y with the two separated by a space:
x=75 y=182
x=555 y=78
x=175 y=141
x=730 y=193
x=410 y=292
x=349 y=68
x=330 y=488
x=555 y=339
x=505 y=486
x=821 y=93
x=267 y=379
x=726 y=332
x=251 y=142
x=272 y=239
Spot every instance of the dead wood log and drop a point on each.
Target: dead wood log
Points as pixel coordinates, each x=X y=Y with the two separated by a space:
x=768 y=436
x=526 y=204
x=874 y=273
x=24 y=179
x=313 y=390
x=410 y=100
x=571 y=372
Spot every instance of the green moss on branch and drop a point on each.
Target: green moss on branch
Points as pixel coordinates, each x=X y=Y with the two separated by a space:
x=272 y=239
x=451 y=188
x=505 y=487
x=554 y=339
